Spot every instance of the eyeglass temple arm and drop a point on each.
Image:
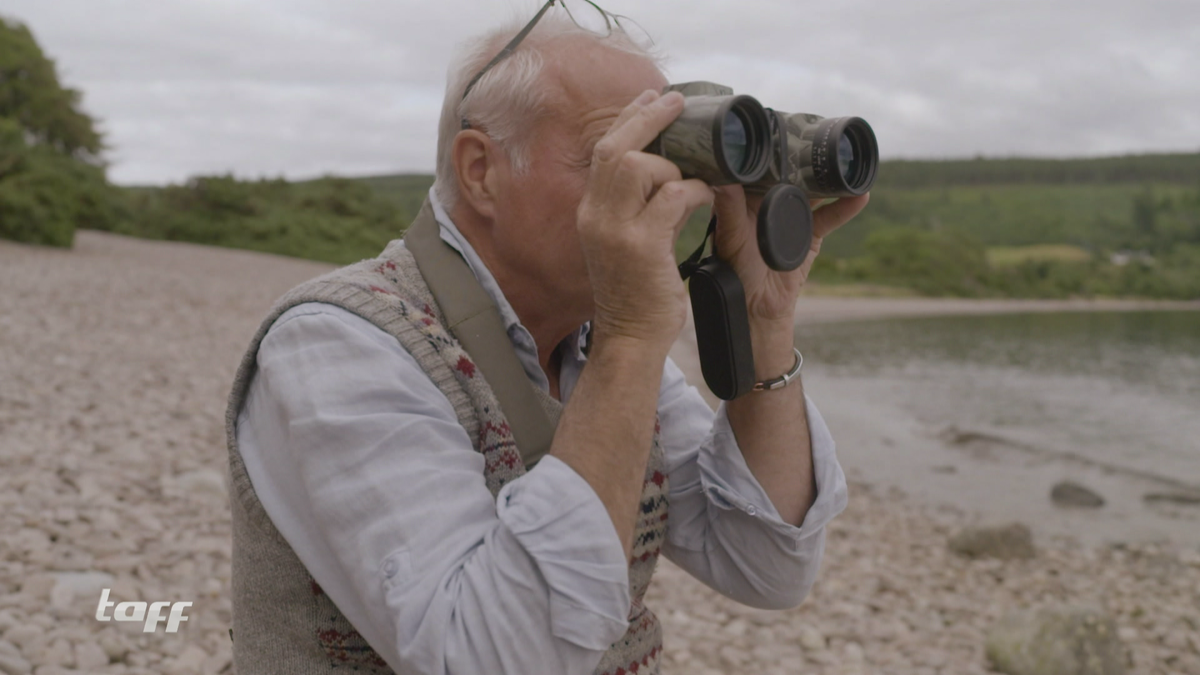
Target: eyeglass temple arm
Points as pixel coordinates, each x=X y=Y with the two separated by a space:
x=508 y=49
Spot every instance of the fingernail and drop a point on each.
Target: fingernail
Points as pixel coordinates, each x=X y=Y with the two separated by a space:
x=646 y=97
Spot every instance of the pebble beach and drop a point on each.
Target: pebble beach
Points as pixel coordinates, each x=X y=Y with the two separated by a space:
x=116 y=359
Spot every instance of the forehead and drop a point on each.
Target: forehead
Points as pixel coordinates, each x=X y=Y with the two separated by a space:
x=593 y=83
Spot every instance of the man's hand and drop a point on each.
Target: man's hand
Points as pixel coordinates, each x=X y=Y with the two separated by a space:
x=632 y=212
x=770 y=295
x=772 y=427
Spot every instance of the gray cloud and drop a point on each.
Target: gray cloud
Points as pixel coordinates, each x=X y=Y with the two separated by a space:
x=305 y=87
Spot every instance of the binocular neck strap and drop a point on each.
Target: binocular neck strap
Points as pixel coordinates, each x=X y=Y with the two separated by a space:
x=688 y=267
x=473 y=318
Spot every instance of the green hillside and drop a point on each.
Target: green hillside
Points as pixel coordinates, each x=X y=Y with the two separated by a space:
x=1094 y=216
x=1178 y=169
x=1117 y=226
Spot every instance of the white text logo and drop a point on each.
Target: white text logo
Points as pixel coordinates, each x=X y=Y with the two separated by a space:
x=137 y=611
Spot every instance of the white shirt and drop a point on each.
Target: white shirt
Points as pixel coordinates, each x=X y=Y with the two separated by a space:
x=360 y=462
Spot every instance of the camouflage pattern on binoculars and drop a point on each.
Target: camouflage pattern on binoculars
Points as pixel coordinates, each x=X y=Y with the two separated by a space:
x=724 y=139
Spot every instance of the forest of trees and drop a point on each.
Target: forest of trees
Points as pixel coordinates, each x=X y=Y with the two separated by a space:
x=1117 y=226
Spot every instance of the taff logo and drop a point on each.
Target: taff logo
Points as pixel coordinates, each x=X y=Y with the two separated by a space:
x=137 y=611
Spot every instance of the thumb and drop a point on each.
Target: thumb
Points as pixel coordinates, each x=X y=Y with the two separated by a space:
x=730 y=210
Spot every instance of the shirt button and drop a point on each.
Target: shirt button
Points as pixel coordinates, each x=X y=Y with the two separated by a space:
x=751 y=510
x=389 y=568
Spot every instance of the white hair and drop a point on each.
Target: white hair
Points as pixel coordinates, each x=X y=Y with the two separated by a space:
x=511 y=97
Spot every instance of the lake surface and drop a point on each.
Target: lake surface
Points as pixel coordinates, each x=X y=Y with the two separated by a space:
x=987 y=412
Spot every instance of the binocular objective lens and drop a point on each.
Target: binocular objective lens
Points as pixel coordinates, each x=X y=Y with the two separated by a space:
x=733 y=136
x=847 y=158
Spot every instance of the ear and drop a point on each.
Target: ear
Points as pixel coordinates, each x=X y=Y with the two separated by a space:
x=477 y=163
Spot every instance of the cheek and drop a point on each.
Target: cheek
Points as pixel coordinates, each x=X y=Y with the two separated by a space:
x=566 y=194
x=550 y=197
x=542 y=236
x=550 y=193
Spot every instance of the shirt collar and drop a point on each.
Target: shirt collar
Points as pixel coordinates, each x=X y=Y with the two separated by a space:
x=518 y=333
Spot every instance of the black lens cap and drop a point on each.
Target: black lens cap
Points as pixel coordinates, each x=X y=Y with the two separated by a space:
x=785 y=227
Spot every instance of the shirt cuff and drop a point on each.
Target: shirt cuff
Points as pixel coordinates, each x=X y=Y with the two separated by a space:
x=729 y=483
x=560 y=521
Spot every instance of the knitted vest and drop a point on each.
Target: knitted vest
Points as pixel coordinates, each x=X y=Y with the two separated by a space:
x=283 y=621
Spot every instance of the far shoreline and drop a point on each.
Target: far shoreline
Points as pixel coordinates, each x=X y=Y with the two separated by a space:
x=819 y=308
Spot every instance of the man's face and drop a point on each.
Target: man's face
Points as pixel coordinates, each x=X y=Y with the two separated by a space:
x=537 y=214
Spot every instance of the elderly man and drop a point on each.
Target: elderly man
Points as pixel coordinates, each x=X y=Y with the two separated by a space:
x=383 y=515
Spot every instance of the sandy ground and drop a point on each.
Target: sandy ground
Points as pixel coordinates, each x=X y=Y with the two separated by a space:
x=115 y=362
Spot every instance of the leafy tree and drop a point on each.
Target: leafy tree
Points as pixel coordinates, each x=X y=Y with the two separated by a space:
x=51 y=175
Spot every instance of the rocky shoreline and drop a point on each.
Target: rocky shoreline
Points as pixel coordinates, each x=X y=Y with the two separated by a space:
x=116 y=361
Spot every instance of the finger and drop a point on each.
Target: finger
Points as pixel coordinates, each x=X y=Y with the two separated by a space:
x=730 y=204
x=644 y=99
x=603 y=163
x=600 y=170
x=638 y=176
x=676 y=201
x=636 y=131
x=730 y=208
x=832 y=216
x=689 y=211
x=754 y=201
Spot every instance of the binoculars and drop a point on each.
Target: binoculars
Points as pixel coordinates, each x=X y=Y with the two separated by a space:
x=724 y=139
x=786 y=158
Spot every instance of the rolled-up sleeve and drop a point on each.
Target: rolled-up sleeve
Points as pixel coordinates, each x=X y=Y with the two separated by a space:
x=723 y=529
x=361 y=463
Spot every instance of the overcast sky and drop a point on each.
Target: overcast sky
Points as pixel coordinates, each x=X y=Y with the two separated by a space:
x=307 y=87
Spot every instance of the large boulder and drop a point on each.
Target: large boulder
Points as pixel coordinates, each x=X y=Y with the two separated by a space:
x=1061 y=640
x=1073 y=495
x=1006 y=542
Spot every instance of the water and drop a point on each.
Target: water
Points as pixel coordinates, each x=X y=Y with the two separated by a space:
x=1159 y=351
x=1110 y=399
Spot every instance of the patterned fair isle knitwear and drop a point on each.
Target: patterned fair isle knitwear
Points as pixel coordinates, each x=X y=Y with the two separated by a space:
x=283 y=621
